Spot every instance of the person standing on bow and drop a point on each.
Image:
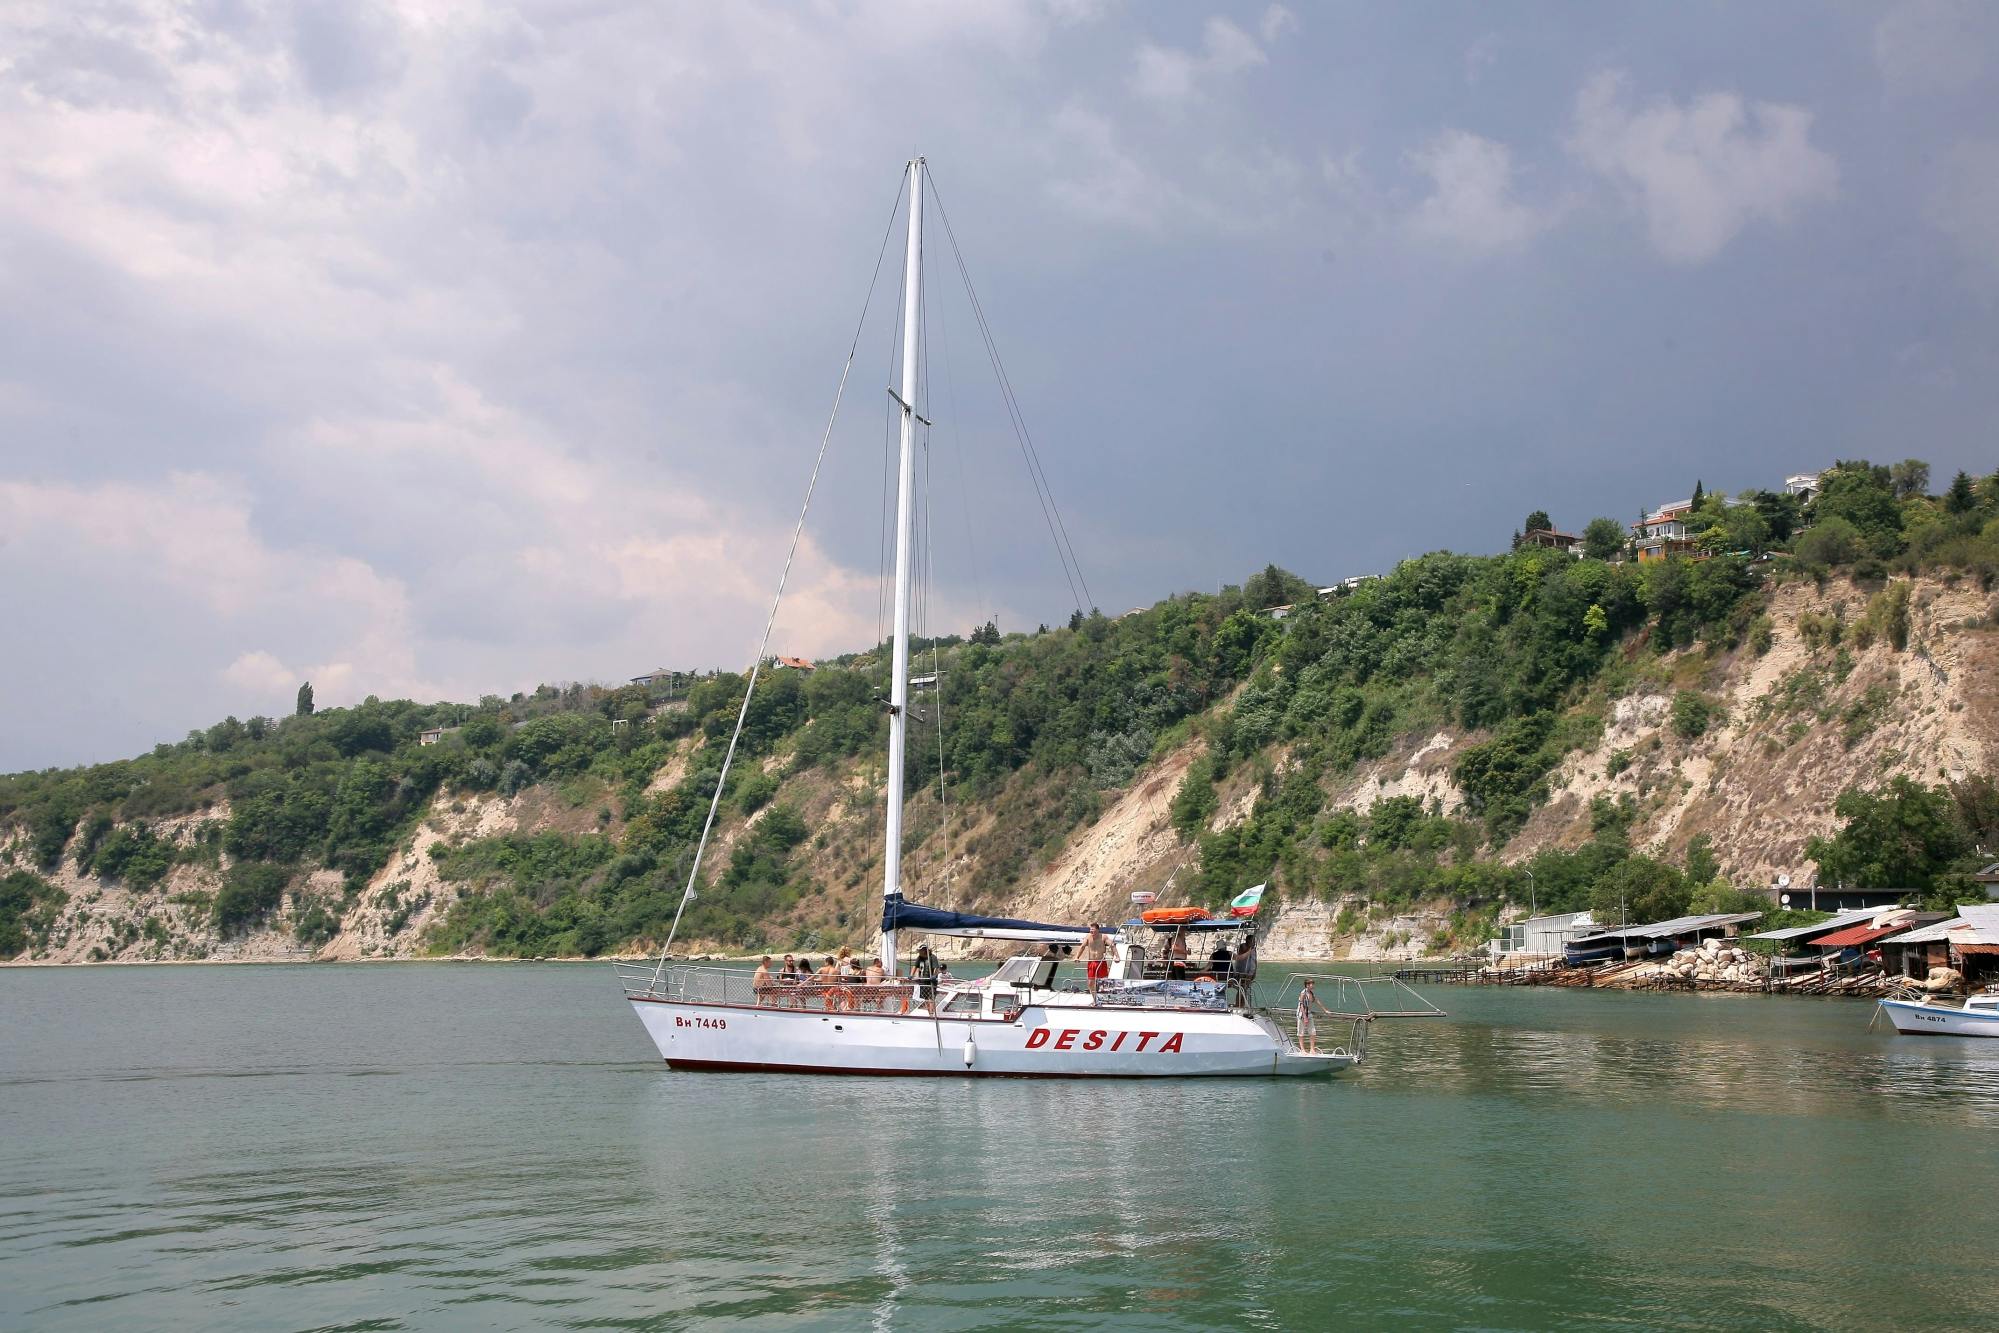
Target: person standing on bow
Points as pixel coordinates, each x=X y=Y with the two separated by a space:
x=1308 y=1028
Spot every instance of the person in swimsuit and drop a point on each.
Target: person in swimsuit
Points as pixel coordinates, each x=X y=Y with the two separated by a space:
x=760 y=981
x=1094 y=966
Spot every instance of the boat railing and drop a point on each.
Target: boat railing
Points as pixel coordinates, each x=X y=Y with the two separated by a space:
x=700 y=984
x=1355 y=997
x=1342 y=1034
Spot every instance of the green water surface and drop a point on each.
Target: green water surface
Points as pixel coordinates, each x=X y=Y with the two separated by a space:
x=465 y=1146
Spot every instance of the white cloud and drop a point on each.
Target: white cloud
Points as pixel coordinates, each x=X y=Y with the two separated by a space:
x=1169 y=76
x=1099 y=175
x=1276 y=22
x=1964 y=201
x=1481 y=56
x=1931 y=46
x=187 y=548
x=1701 y=172
x=1471 y=205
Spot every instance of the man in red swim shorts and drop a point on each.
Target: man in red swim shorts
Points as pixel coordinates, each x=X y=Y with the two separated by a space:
x=1095 y=967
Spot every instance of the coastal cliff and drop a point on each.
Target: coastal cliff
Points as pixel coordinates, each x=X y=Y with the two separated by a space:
x=1372 y=811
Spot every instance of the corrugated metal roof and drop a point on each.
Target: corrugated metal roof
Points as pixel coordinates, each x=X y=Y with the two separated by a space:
x=1853 y=935
x=1839 y=922
x=1932 y=933
x=1679 y=925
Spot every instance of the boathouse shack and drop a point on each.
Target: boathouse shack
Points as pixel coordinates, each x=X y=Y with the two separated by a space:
x=1853 y=946
x=1655 y=939
x=1915 y=953
x=1794 y=943
x=1542 y=936
x=1968 y=942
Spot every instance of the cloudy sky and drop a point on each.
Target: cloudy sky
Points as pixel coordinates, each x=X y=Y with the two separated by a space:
x=441 y=349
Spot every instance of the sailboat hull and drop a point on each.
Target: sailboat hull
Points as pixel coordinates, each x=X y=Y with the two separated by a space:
x=1043 y=1042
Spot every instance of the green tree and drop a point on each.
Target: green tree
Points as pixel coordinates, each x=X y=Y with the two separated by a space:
x=1781 y=513
x=1961 y=498
x=1702 y=864
x=1910 y=478
x=1691 y=714
x=1831 y=542
x=1640 y=889
x=1603 y=538
x=1274 y=587
x=1538 y=521
x=1863 y=494
x=1904 y=836
x=304 y=708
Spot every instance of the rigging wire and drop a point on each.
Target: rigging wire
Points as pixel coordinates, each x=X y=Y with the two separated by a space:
x=1051 y=513
x=763 y=647
x=929 y=554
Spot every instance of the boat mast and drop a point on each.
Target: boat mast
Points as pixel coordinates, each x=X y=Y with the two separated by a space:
x=898 y=690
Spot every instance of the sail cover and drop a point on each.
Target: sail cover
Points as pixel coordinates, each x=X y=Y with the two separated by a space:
x=898 y=913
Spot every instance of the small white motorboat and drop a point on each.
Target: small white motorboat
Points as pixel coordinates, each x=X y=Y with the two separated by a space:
x=1978 y=1016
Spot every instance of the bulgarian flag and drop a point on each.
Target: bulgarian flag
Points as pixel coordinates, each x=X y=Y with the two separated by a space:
x=1247 y=901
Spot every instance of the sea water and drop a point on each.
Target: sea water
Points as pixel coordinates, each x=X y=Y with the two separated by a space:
x=496 y=1146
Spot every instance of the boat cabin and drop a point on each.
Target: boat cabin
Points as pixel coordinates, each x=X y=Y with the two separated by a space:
x=1183 y=948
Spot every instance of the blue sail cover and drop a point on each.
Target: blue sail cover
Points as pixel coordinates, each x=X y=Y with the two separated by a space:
x=898 y=913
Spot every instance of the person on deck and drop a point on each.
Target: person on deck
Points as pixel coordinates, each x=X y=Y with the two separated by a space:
x=1308 y=1028
x=828 y=977
x=1242 y=971
x=1176 y=957
x=1095 y=968
x=761 y=981
x=1218 y=963
x=875 y=972
x=923 y=971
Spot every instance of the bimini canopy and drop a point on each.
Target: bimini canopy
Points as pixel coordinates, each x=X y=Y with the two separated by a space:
x=898 y=913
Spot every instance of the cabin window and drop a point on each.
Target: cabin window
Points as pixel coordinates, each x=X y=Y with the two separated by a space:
x=963 y=1004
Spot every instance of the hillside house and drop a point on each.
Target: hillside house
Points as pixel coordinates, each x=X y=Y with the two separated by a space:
x=1554 y=541
x=1663 y=532
x=430 y=736
x=1347 y=586
x=792 y=664
x=1804 y=485
x=1988 y=879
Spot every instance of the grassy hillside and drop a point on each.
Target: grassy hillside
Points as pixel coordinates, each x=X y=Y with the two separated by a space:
x=299 y=824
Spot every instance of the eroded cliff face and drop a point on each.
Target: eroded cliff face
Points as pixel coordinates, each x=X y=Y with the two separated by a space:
x=1796 y=725
x=1792 y=727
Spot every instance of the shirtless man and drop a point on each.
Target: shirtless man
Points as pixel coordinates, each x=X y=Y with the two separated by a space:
x=1092 y=953
x=760 y=981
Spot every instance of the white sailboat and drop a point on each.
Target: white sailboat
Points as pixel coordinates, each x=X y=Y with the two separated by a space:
x=1153 y=1015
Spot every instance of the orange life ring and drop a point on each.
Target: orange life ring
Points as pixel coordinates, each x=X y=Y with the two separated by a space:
x=1172 y=916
